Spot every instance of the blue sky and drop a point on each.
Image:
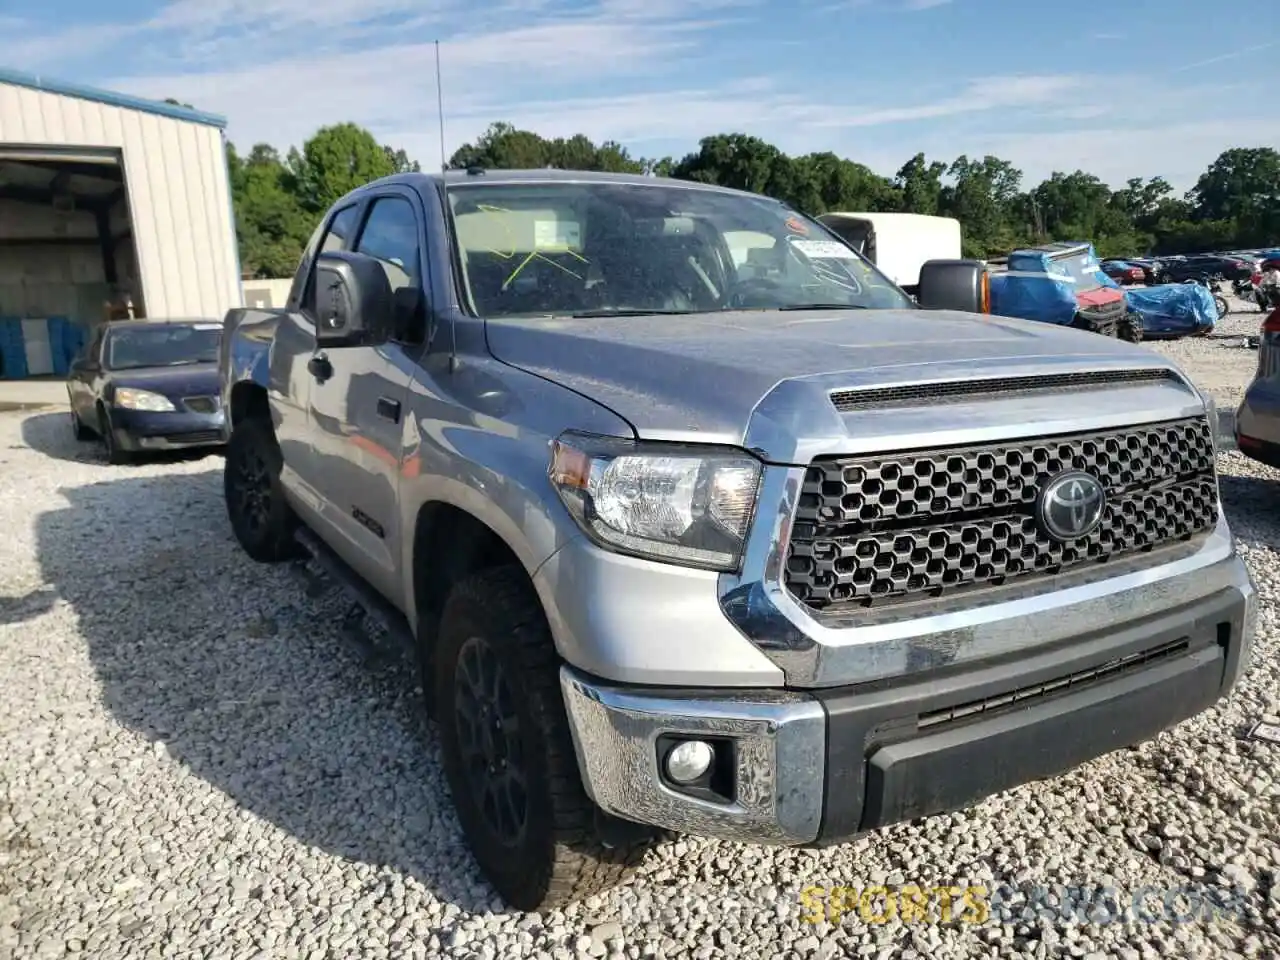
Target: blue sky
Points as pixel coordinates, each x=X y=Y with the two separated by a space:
x=1140 y=90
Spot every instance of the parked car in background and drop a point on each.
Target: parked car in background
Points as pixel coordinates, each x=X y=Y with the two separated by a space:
x=1205 y=267
x=1151 y=269
x=148 y=385
x=1257 y=426
x=1123 y=272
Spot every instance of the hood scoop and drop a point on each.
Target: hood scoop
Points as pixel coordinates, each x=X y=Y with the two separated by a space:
x=914 y=394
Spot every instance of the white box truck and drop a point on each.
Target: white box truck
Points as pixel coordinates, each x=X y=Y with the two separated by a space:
x=898 y=243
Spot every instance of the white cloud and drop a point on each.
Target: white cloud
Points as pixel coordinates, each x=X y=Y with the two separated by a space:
x=630 y=70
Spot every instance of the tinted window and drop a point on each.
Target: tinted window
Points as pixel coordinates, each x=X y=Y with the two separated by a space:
x=564 y=248
x=338 y=236
x=340 y=232
x=164 y=345
x=390 y=236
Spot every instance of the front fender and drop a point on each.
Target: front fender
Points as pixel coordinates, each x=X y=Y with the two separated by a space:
x=484 y=447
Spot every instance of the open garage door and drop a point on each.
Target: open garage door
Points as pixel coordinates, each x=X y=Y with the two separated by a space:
x=67 y=256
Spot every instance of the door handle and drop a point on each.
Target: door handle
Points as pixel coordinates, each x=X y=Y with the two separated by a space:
x=320 y=367
x=389 y=409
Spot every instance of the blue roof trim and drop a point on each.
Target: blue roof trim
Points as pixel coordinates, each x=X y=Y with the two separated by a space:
x=123 y=100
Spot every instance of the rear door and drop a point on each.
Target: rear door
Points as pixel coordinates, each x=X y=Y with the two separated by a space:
x=357 y=424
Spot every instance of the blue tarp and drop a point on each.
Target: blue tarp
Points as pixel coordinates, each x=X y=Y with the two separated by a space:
x=1040 y=285
x=1173 y=309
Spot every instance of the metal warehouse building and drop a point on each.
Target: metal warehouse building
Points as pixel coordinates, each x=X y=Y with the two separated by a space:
x=108 y=203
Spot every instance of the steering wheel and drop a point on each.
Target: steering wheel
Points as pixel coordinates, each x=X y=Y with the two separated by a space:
x=747 y=291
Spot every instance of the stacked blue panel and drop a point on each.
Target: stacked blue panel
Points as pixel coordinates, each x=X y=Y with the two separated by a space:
x=75 y=340
x=57 y=343
x=13 y=349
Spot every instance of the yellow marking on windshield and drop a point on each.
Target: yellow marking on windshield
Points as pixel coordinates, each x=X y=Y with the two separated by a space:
x=533 y=255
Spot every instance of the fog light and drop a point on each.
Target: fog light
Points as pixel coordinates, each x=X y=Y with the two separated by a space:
x=689 y=760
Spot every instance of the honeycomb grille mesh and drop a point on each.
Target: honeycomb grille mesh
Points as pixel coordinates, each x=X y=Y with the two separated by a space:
x=920 y=524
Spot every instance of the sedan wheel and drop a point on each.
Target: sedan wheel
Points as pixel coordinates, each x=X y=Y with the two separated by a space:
x=115 y=455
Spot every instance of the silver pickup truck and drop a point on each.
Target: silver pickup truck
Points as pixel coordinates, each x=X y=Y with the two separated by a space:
x=696 y=523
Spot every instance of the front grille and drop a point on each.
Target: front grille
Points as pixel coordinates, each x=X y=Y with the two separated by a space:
x=1000 y=703
x=201 y=404
x=1104 y=311
x=887 y=528
x=196 y=436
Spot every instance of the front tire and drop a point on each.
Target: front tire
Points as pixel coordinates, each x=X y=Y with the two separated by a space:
x=79 y=430
x=115 y=456
x=261 y=518
x=508 y=752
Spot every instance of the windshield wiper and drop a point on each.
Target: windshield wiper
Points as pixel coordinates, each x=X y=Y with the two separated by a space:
x=823 y=306
x=627 y=312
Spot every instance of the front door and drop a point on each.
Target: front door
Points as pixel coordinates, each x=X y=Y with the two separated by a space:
x=293 y=344
x=357 y=423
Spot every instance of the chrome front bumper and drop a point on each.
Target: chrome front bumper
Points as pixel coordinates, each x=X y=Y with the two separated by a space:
x=780 y=741
x=814 y=767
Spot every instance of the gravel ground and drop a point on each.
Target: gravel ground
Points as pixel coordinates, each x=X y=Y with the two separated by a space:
x=194 y=762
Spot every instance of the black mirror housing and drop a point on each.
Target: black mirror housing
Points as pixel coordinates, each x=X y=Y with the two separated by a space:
x=962 y=285
x=353 y=300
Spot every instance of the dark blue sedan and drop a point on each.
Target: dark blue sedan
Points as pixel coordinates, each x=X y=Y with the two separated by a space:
x=148 y=385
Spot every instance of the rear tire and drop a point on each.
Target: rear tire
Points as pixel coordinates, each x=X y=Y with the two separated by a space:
x=1220 y=302
x=261 y=518
x=508 y=752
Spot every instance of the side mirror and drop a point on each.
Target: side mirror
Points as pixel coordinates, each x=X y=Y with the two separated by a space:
x=961 y=285
x=353 y=300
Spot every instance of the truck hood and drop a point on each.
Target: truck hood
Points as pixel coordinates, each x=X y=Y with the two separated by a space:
x=763 y=379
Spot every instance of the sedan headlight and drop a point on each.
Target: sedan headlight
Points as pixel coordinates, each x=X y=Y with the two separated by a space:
x=679 y=504
x=130 y=398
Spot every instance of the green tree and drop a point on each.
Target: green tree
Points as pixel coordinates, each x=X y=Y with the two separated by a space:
x=1242 y=185
x=920 y=183
x=337 y=160
x=271 y=224
x=1235 y=203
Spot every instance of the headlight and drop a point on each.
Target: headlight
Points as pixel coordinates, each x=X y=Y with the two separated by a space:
x=679 y=504
x=132 y=399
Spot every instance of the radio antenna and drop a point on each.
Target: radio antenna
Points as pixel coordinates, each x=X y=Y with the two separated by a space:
x=444 y=164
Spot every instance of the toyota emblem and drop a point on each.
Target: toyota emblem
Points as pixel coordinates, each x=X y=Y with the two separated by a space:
x=1071 y=505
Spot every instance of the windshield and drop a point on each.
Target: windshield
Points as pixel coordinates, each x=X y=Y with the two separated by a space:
x=164 y=345
x=1081 y=268
x=574 y=249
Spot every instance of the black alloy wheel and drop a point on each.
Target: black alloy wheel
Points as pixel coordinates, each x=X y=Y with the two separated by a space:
x=260 y=516
x=490 y=743
x=248 y=490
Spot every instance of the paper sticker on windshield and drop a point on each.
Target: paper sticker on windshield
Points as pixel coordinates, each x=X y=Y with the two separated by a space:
x=563 y=235
x=796 y=225
x=823 y=249
x=206 y=326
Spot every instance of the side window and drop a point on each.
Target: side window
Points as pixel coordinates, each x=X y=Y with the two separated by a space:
x=337 y=237
x=340 y=232
x=390 y=236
